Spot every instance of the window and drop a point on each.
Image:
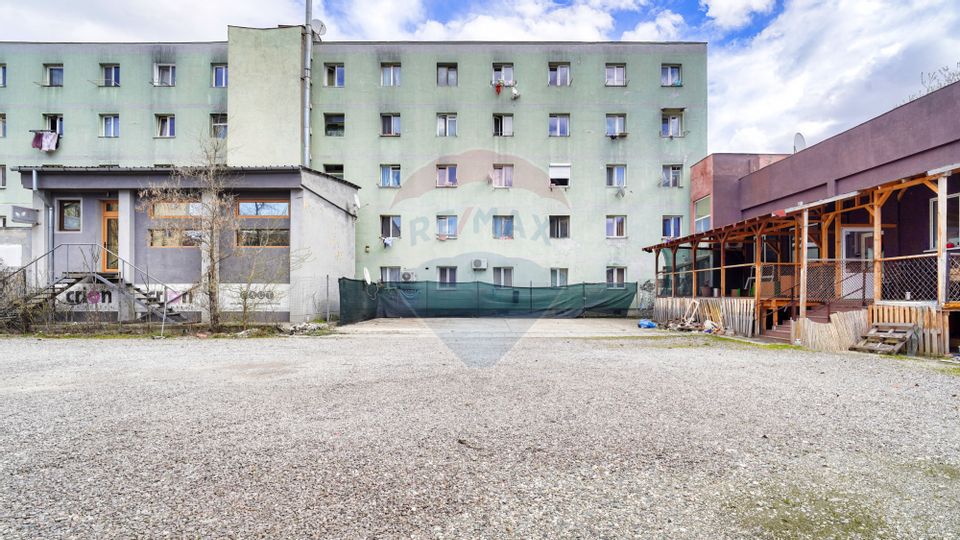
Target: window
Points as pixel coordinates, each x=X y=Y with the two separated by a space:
x=53 y=122
x=616 y=175
x=559 y=226
x=503 y=73
x=446 y=75
x=69 y=216
x=446 y=125
x=3 y=75
x=166 y=126
x=389 y=274
x=559 y=74
x=109 y=125
x=616 y=125
x=953 y=221
x=671 y=226
x=670 y=75
x=389 y=226
x=503 y=176
x=390 y=125
x=218 y=125
x=559 y=125
x=616 y=226
x=334 y=169
x=333 y=124
x=503 y=227
x=218 y=74
x=174 y=238
x=3 y=177
x=672 y=174
x=263 y=238
x=53 y=74
x=176 y=209
x=559 y=174
x=263 y=208
x=333 y=75
x=164 y=75
x=701 y=214
x=390 y=74
x=447 y=227
x=503 y=125
x=110 y=74
x=446 y=176
x=390 y=176
x=447 y=277
x=616 y=277
x=558 y=277
x=503 y=276
x=616 y=75
x=3 y=125
x=671 y=123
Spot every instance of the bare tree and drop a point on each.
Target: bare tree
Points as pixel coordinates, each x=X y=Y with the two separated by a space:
x=935 y=80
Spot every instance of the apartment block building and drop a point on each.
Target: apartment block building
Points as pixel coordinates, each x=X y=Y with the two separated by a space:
x=514 y=163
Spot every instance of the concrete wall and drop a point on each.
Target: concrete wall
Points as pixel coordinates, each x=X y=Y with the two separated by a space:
x=719 y=175
x=15 y=247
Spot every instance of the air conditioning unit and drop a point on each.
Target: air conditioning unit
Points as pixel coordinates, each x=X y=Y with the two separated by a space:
x=408 y=275
x=478 y=264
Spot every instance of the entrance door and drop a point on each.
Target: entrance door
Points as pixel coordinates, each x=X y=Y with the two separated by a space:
x=110 y=231
x=857 y=263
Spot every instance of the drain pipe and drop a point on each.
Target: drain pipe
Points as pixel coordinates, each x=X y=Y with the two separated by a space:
x=307 y=65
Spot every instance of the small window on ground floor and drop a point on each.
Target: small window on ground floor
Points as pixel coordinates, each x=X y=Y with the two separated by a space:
x=616 y=277
x=69 y=216
x=503 y=276
x=447 y=277
x=558 y=277
x=389 y=274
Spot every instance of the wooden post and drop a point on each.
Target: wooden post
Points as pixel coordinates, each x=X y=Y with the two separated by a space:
x=876 y=214
x=757 y=255
x=837 y=249
x=693 y=266
x=673 y=270
x=723 y=264
x=656 y=273
x=941 y=240
x=803 y=263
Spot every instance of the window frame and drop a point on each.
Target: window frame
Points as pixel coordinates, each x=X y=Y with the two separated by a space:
x=181 y=244
x=327 y=123
x=394 y=124
x=503 y=220
x=395 y=224
x=114 y=132
x=447 y=167
x=607 y=81
x=213 y=75
x=666 y=180
x=611 y=175
x=54 y=122
x=3 y=176
x=260 y=231
x=669 y=81
x=113 y=81
x=171 y=127
x=502 y=180
x=558 y=224
x=394 y=170
x=559 y=166
x=3 y=125
x=709 y=216
x=502 y=67
x=502 y=117
x=619 y=124
x=339 y=75
x=448 y=67
x=393 y=68
x=189 y=204
x=3 y=75
x=387 y=271
x=617 y=271
x=619 y=222
x=158 y=69
x=932 y=219
x=447 y=219
x=676 y=225
x=555 y=275
x=48 y=70
x=444 y=275
x=502 y=274
x=444 y=121
x=214 y=125
x=559 y=117
x=667 y=117
x=553 y=74
x=256 y=200
x=334 y=174
x=60 y=215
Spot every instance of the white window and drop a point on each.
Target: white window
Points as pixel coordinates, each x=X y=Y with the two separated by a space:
x=559 y=74
x=953 y=221
x=333 y=75
x=109 y=125
x=671 y=226
x=616 y=175
x=672 y=174
x=390 y=226
x=558 y=277
x=334 y=169
x=671 y=123
x=503 y=276
x=616 y=125
x=446 y=75
x=701 y=212
x=389 y=274
x=616 y=226
x=389 y=74
x=110 y=74
x=447 y=277
x=218 y=75
x=166 y=126
x=559 y=125
x=559 y=174
x=503 y=125
x=164 y=75
x=53 y=122
x=559 y=226
x=446 y=176
x=616 y=277
x=503 y=73
x=3 y=75
x=3 y=125
x=616 y=75
x=218 y=125
x=333 y=124
x=390 y=176
x=503 y=176
x=3 y=177
x=503 y=227
x=670 y=75
x=390 y=125
x=446 y=125
x=53 y=74
x=447 y=227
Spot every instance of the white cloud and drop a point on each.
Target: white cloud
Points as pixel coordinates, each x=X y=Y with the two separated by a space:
x=665 y=27
x=732 y=14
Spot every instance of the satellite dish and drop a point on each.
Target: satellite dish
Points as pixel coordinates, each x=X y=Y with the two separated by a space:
x=799 y=143
x=318 y=27
x=366 y=276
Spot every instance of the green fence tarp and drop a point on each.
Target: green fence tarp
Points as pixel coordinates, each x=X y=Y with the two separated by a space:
x=360 y=301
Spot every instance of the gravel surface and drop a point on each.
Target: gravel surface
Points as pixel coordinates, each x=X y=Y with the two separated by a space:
x=406 y=432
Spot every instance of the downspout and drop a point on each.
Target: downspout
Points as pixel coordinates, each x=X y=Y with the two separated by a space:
x=307 y=65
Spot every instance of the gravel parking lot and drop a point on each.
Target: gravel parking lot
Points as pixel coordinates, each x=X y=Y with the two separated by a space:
x=470 y=428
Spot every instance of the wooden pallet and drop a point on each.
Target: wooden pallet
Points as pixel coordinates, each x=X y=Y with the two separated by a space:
x=888 y=338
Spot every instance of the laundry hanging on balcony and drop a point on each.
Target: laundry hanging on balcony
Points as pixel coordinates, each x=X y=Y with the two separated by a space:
x=45 y=140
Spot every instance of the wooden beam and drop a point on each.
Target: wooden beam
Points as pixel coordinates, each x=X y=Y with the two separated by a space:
x=673 y=266
x=941 y=240
x=693 y=266
x=757 y=252
x=876 y=217
x=837 y=254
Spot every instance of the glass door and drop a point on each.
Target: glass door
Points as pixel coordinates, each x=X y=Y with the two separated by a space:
x=110 y=230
